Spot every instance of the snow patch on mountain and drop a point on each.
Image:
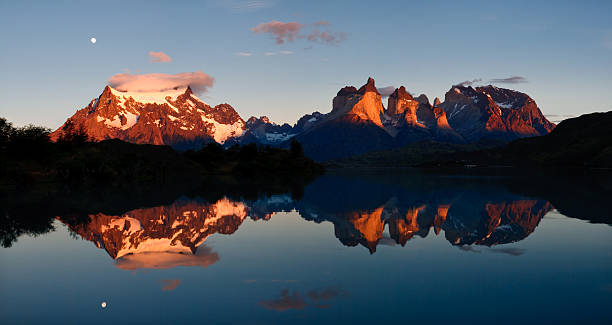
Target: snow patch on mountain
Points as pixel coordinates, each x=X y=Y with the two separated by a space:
x=278 y=137
x=158 y=98
x=505 y=105
x=222 y=132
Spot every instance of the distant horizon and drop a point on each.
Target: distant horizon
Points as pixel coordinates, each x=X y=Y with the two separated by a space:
x=288 y=59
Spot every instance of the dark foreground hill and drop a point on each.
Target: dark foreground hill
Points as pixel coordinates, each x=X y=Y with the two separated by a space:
x=584 y=141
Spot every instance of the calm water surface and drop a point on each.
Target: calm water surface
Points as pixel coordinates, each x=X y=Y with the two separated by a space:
x=346 y=249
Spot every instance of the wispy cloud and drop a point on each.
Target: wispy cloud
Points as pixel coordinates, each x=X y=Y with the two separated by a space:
x=326 y=37
x=244 y=54
x=557 y=118
x=245 y=6
x=469 y=82
x=387 y=241
x=468 y=248
x=281 y=32
x=199 y=81
x=288 y=32
x=509 y=80
x=315 y=298
x=285 y=52
x=386 y=91
x=169 y=285
x=508 y=250
x=159 y=57
x=286 y=301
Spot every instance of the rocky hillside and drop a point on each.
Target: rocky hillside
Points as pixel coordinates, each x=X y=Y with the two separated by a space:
x=584 y=141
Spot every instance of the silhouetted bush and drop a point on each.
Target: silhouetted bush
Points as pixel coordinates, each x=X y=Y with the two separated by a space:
x=25 y=142
x=73 y=134
x=296 y=148
x=32 y=158
x=248 y=152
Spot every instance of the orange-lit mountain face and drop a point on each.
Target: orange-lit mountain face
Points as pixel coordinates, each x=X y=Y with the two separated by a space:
x=358 y=122
x=364 y=104
x=492 y=112
x=176 y=117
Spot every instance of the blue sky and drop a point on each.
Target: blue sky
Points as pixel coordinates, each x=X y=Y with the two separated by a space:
x=50 y=68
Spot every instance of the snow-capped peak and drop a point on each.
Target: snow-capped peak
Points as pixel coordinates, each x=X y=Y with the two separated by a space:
x=158 y=97
x=173 y=117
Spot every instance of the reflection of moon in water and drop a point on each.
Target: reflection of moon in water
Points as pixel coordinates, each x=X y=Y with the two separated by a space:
x=103 y=304
x=93 y=40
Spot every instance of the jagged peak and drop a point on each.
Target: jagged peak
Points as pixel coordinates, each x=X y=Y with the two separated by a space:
x=253 y=120
x=422 y=99
x=436 y=102
x=401 y=93
x=490 y=89
x=188 y=91
x=368 y=87
x=224 y=106
x=107 y=92
x=348 y=90
x=462 y=91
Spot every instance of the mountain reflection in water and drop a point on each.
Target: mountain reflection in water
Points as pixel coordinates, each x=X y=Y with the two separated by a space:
x=465 y=210
x=314 y=252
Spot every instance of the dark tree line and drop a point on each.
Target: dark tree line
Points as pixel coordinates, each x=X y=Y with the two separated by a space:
x=29 y=156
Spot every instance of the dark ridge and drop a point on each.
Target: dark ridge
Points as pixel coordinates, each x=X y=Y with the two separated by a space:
x=348 y=90
x=401 y=93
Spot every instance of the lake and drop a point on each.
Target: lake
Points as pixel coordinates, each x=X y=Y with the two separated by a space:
x=361 y=248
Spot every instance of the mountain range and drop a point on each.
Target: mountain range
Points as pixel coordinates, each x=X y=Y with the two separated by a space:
x=357 y=123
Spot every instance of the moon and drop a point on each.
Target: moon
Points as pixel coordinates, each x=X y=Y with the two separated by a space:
x=93 y=40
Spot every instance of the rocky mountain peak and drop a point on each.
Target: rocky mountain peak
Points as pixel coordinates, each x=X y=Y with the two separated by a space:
x=258 y=121
x=436 y=102
x=401 y=102
x=173 y=117
x=368 y=87
x=422 y=99
x=505 y=98
x=401 y=93
x=106 y=92
x=348 y=90
x=493 y=112
x=251 y=120
x=188 y=91
x=364 y=104
x=105 y=98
